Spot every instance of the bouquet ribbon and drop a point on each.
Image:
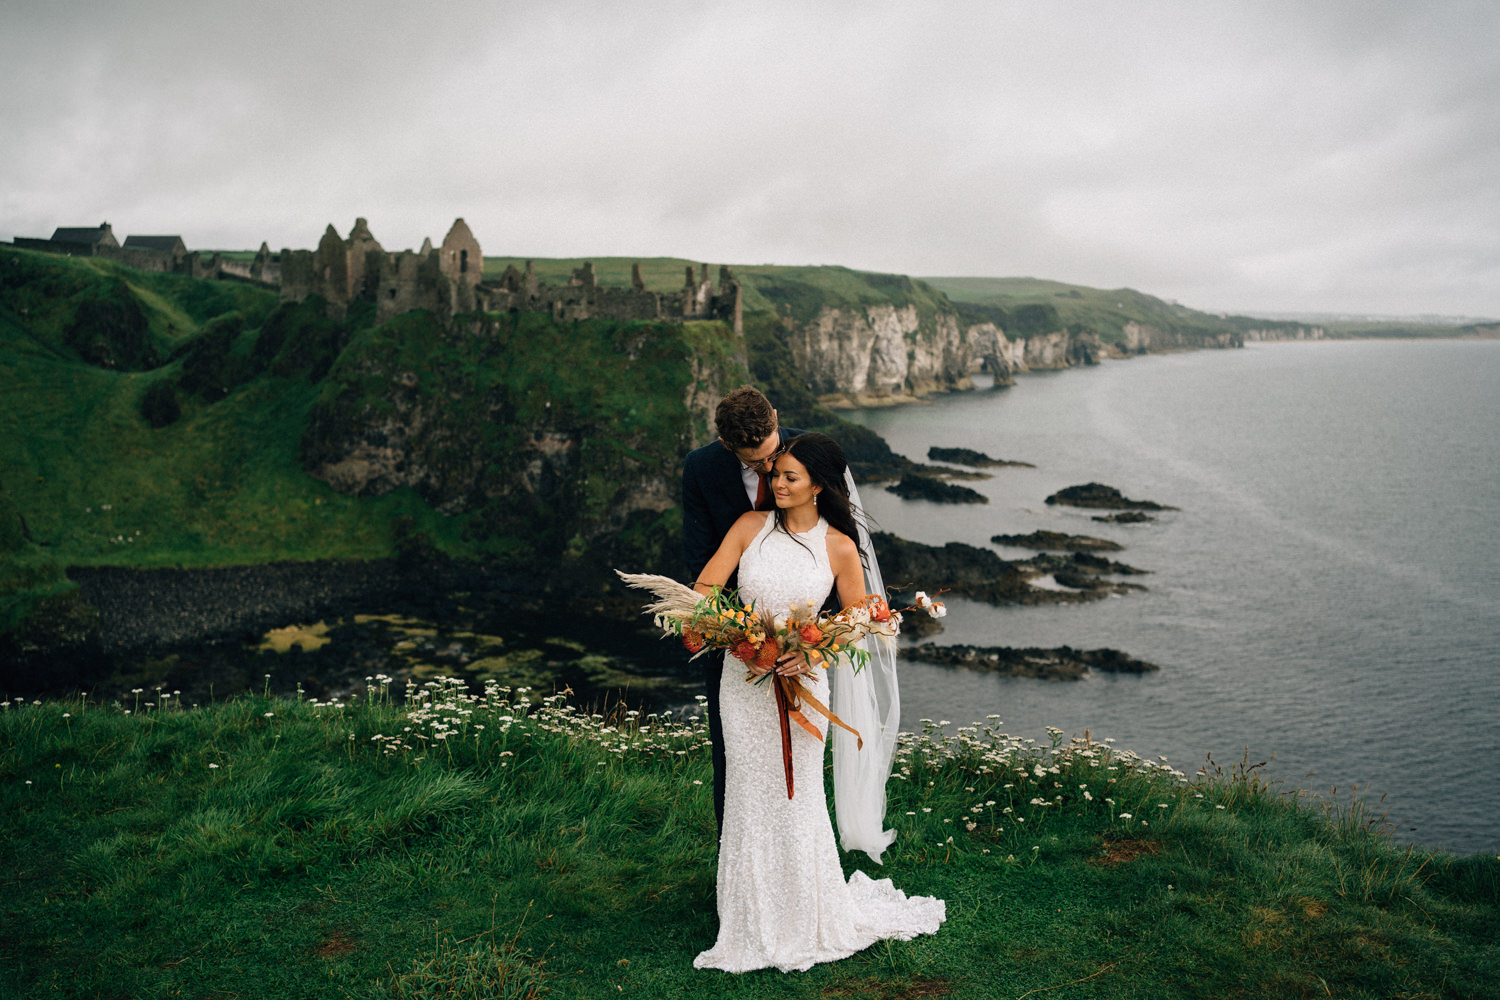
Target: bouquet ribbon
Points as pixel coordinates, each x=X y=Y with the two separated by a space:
x=790 y=695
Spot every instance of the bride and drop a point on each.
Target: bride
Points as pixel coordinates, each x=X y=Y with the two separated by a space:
x=782 y=898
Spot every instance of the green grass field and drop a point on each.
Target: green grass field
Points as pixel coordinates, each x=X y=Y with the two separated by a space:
x=502 y=845
x=160 y=420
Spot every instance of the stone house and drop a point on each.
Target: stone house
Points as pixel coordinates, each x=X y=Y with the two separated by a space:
x=170 y=245
x=80 y=241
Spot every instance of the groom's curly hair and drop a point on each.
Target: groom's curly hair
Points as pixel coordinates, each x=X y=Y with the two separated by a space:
x=744 y=418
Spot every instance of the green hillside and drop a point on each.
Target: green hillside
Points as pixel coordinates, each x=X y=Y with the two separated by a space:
x=773 y=296
x=1024 y=307
x=161 y=420
x=796 y=292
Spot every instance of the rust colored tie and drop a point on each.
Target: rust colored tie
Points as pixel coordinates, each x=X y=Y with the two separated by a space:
x=762 y=492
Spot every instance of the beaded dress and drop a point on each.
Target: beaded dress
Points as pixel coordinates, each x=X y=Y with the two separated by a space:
x=782 y=897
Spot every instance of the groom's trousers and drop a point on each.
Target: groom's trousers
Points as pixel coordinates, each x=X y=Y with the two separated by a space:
x=713 y=671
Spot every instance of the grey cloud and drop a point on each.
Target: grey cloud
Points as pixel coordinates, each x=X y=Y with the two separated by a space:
x=1337 y=156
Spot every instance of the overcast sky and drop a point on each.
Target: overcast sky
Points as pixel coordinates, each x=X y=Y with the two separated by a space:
x=1314 y=156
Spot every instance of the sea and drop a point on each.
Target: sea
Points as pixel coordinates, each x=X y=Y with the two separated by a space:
x=1325 y=601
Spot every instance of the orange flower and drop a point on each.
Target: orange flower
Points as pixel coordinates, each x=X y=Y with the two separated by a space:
x=811 y=635
x=880 y=611
x=692 y=640
x=768 y=654
x=744 y=651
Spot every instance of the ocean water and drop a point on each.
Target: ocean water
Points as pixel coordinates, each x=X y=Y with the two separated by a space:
x=1327 y=598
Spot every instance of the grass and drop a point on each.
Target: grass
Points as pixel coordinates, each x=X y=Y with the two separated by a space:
x=1025 y=307
x=226 y=483
x=222 y=485
x=658 y=274
x=798 y=293
x=501 y=844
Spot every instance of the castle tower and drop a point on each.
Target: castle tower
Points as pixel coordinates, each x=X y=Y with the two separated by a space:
x=364 y=272
x=462 y=260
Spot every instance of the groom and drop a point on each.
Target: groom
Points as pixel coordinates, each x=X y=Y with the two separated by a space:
x=721 y=481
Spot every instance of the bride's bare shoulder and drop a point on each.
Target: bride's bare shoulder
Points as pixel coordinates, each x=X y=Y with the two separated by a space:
x=840 y=544
x=750 y=522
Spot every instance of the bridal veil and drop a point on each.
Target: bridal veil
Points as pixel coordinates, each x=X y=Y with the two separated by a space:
x=870 y=701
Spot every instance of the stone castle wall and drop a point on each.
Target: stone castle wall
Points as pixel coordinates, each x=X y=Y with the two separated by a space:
x=448 y=280
x=583 y=297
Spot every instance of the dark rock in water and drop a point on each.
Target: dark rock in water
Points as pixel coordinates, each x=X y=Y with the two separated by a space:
x=872 y=460
x=1099 y=495
x=1084 y=580
x=1077 y=562
x=982 y=575
x=919 y=624
x=967 y=456
x=1061 y=664
x=965 y=569
x=1057 y=541
x=1126 y=517
x=918 y=487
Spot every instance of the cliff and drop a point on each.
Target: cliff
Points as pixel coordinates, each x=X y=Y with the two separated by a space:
x=168 y=421
x=862 y=339
x=555 y=433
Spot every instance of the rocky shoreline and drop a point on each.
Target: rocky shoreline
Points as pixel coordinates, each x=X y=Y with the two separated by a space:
x=205 y=630
x=155 y=618
x=145 y=609
x=982 y=575
x=1061 y=664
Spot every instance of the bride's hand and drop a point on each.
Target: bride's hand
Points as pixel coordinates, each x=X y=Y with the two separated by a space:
x=792 y=664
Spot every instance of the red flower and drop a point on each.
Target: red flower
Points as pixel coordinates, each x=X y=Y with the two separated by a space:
x=692 y=640
x=880 y=611
x=768 y=654
x=744 y=651
x=811 y=635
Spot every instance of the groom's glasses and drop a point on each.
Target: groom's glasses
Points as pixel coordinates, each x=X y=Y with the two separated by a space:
x=763 y=464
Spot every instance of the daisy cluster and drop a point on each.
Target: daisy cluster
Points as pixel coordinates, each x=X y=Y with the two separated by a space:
x=1009 y=782
x=443 y=711
x=956 y=788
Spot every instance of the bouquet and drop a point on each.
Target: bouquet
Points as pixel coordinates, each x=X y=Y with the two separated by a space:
x=721 y=621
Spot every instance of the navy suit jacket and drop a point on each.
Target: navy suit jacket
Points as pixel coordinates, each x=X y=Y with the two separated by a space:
x=713 y=498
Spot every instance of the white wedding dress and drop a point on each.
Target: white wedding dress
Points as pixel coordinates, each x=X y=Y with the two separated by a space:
x=783 y=901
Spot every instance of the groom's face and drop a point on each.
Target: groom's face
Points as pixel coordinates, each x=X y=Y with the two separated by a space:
x=761 y=457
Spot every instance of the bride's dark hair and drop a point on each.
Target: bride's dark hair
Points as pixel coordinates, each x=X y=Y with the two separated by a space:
x=825 y=464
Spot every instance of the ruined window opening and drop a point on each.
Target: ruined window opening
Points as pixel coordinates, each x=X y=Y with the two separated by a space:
x=463 y=262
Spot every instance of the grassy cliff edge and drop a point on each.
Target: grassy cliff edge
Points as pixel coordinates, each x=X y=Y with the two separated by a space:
x=480 y=845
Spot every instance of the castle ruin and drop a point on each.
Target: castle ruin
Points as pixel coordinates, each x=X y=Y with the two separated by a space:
x=449 y=279
x=446 y=280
